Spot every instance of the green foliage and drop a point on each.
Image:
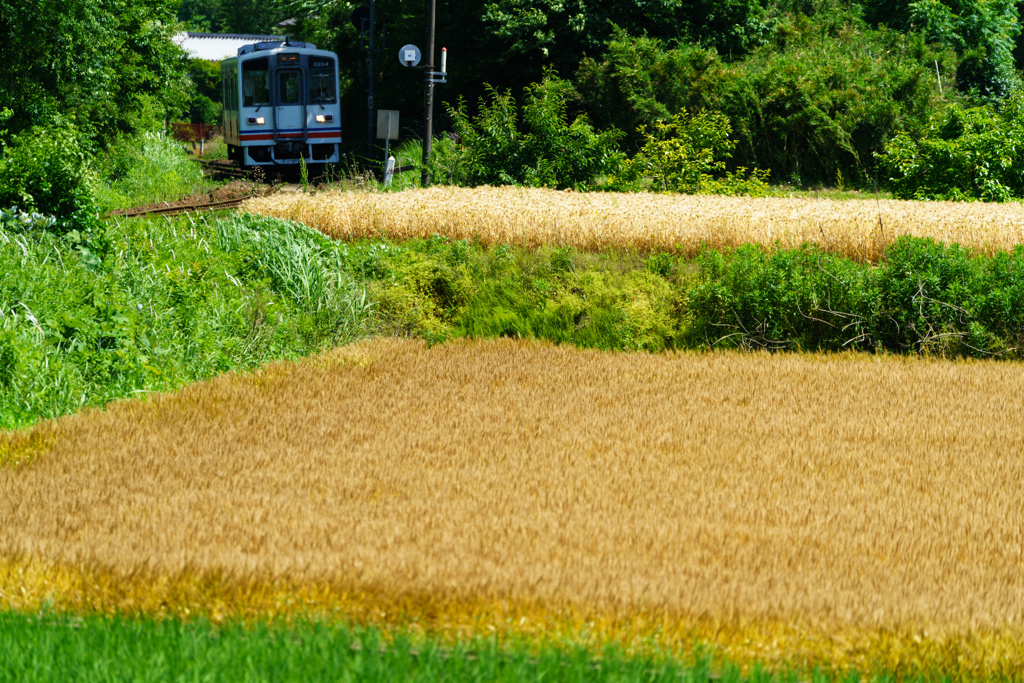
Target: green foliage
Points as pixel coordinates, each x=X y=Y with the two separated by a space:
x=55 y=647
x=137 y=306
x=684 y=150
x=943 y=298
x=798 y=299
x=105 y=67
x=975 y=153
x=828 y=101
x=146 y=169
x=819 y=99
x=741 y=182
x=559 y=31
x=234 y=16
x=925 y=297
x=45 y=169
x=439 y=289
x=205 y=103
x=982 y=32
x=641 y=81
x=205 y=76
x=545 y=150
x=687 y=152
x=595 y=307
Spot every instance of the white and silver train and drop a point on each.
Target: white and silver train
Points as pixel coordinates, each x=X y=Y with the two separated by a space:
x=281 y=105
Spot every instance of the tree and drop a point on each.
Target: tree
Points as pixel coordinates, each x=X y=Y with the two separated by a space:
x=964 y=153
x=982 y=32
x=104 y=67
x=682 y=152
x=233 y=16
x=545 y=149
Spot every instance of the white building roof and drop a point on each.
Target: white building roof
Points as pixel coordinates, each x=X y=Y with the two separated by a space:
x=217 y=46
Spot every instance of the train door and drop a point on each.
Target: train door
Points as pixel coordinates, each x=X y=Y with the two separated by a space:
x=290 y=118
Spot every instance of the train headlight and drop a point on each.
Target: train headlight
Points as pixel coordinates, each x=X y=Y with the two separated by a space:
x=257 y=120
x=324 y=118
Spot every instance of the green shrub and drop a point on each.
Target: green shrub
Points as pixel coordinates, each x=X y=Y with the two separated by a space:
x=799 y=299
x=544 y=150
x=688 y=153
x=974 y=153
x=982 y=33
x=941 y=298
x=816 y=100
x=924 y=297
x=46 y=170
x=420 y=289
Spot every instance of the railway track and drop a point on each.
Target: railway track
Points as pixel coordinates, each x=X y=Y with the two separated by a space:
x=175 y=209
x=222 y=168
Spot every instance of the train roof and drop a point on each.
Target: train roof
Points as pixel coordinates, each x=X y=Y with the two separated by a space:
x=274 y=45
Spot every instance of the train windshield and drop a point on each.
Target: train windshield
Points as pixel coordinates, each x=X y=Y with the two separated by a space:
x=255 y=85
x=321 y=80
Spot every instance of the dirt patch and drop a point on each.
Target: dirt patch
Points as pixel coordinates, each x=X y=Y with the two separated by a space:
x=236 y=189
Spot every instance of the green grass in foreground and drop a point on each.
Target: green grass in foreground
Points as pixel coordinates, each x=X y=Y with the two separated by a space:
x=52 y=647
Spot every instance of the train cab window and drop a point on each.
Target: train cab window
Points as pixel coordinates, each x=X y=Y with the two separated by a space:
x=255 y=88
x=288 y=87
x=321 y=80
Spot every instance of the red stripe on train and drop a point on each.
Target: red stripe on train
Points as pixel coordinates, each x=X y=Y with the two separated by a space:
x=291 y=136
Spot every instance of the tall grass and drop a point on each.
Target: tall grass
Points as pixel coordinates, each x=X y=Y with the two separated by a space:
x=843 y=511
x=148 y=305
x=146 y=170
x=686 y=225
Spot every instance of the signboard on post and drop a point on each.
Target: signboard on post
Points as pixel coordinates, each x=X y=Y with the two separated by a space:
x=387 y=124
x=409 y=55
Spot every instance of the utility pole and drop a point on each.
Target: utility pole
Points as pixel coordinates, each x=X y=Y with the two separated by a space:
x=371 y=58
x=428 y=114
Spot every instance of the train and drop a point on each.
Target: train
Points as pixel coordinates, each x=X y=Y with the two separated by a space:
x=281 y=105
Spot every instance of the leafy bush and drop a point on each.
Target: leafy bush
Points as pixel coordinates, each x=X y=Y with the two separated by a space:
x=790 y=299
x=544 y=150
x=438 y=289
x=46 y=170
x=685 y=153
x=107 y=67
x=974 y=153
x=205 y=105
x=924 y=297
x=684 y=150
x=642 y=80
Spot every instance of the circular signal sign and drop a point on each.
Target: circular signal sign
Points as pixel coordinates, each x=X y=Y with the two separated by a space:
x=409 y=55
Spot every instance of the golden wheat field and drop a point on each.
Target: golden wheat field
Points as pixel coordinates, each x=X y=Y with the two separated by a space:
x=850 y=510
x=858 y=229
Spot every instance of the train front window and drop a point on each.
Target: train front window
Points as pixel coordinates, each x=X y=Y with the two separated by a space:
x=255 y=86
x=288 y=88
x=321 y=80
